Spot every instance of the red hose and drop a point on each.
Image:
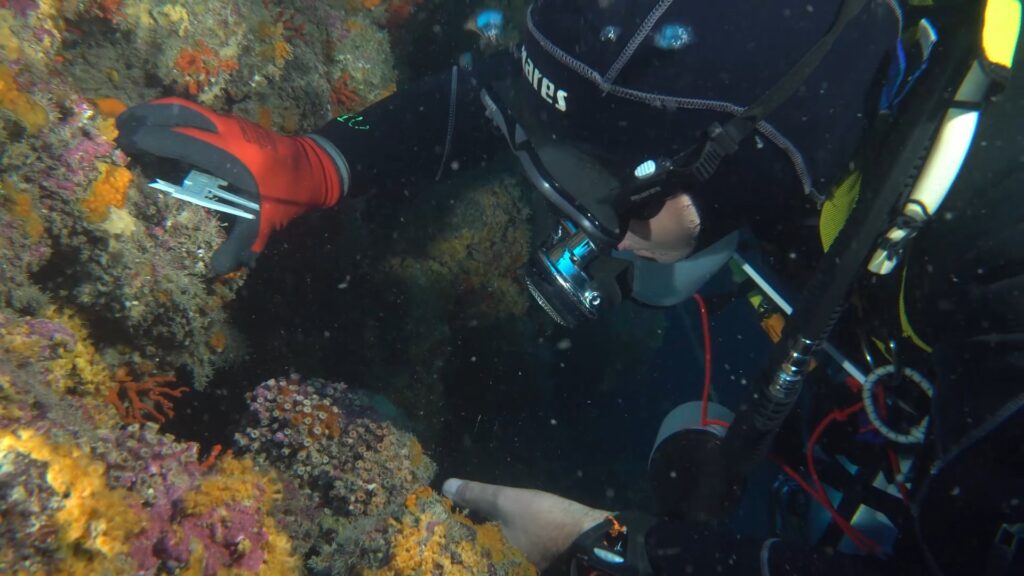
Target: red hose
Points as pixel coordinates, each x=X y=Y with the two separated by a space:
x=705 y=325
x=860 y=540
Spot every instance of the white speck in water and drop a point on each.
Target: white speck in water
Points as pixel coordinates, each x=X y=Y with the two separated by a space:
x=564 y=344
x=554 y=422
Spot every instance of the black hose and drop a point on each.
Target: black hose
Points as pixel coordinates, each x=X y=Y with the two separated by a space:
x=888 y=174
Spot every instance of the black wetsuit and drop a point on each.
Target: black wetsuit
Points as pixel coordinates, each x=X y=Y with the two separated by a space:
x=737 y=50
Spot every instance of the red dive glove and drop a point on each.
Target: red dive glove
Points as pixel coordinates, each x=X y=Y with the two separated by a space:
x=287 y=175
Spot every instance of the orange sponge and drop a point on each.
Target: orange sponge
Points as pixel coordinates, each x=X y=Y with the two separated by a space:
x=109 y=107
x=12 y=99
x=109 y=190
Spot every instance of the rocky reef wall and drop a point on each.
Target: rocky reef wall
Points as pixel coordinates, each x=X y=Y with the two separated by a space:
x=108 y=315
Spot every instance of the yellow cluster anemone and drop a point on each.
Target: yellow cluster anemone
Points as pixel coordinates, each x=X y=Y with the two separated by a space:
x=9 y=46
x=277 y=50
x=431 y=538
x=109 y=109
x=238 y=480
x=80 y=369
x=233 y=480
x=95 y=521
x=418 y=548
x=76 y=368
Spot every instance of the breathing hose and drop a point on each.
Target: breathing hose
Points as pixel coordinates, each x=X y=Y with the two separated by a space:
x=896 y=158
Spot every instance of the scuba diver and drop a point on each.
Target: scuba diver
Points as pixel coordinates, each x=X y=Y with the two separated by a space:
x=831 y=131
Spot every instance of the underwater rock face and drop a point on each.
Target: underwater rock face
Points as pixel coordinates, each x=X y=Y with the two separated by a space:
x=342 y=493
x=82 y=494
x=355 y=488
x=102 y=278
x=78 y=227
x=83 y=234
x=353 y=468
x=332 y=443
x=329 y=485
x=136 y=501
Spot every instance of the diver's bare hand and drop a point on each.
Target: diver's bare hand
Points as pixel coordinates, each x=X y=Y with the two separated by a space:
x=540 y=524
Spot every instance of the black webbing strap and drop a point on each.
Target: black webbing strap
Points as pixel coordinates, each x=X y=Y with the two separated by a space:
x=795 y=78
x=895 y=162
x=696 y=165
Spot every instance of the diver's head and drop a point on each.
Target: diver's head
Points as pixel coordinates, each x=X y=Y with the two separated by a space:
x=624 y=135
x=609 y=198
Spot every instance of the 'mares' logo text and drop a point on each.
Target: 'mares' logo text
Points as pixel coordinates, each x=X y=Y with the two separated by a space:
x=547 y=90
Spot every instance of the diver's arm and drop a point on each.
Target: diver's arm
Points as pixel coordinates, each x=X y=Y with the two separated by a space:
x=419 y=134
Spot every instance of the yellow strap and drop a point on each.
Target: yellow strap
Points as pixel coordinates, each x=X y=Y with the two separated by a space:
x=908 y=330
x=836 y=210
x=883 y=348
x=1002 y=27
x=773 y=326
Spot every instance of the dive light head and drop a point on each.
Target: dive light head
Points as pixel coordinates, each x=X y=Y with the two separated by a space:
x=560 y=279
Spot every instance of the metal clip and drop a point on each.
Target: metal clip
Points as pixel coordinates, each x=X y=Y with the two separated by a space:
x=203 y=189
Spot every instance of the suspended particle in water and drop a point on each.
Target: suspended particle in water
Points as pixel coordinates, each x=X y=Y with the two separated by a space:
x=674 y=36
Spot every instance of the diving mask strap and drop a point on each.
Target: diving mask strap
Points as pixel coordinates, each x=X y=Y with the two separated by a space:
x=695 y=166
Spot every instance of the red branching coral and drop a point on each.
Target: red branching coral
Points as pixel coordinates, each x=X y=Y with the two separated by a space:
x=139 y=402
x=343 y=97
x=294 y=28
x=200 y=65
x=399 y=12
x=108 y=9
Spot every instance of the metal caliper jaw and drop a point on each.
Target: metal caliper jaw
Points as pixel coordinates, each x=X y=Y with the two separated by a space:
x=205 y=190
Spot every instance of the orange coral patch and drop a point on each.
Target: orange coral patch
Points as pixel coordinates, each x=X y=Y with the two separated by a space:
x=109 y=107
x=200 y=65
x=109 y=190
x=218 y=341
x=31 y=113
x=23 y=208
x=265 y=117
